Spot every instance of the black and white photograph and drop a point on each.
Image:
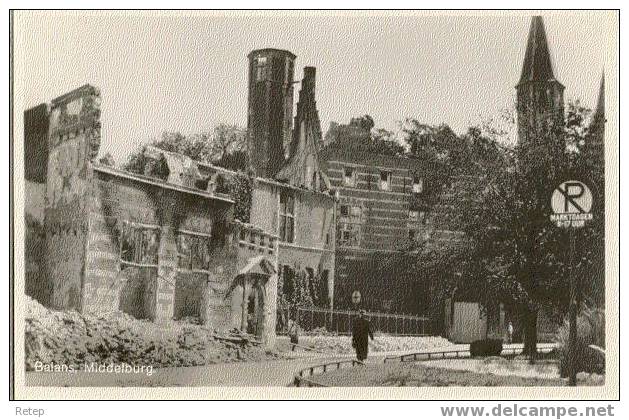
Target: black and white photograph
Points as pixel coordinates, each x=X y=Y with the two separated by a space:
x=412 y=202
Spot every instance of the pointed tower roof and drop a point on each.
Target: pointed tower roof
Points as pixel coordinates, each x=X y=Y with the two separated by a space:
x=600 y=104
x=597 y=124
x=537 y=66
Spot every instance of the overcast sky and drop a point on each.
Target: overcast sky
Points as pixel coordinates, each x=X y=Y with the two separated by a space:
x=183 y=73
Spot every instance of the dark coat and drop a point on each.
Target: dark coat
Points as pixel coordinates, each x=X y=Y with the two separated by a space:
x=360 y=336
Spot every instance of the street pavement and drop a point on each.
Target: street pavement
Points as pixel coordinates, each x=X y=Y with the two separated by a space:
x=260 y=373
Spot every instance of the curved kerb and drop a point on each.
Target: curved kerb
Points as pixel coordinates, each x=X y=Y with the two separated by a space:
x=302 y=378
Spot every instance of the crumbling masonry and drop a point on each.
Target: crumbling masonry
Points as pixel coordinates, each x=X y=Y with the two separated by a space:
x=193 y=240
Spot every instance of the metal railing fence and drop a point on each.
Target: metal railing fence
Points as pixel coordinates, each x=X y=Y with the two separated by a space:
x=340 y=322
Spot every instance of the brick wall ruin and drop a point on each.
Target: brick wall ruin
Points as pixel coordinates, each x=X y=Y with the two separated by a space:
x=74 y=139
x=158 y=283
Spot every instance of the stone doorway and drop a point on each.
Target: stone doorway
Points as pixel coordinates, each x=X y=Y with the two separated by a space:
x=254 y=320
x=249 y=297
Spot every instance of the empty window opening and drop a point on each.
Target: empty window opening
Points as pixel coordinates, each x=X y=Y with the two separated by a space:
x=139 y=244
x=287 y=217
x=193 y=251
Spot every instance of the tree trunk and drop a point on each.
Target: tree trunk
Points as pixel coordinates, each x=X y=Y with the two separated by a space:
x=530 y=334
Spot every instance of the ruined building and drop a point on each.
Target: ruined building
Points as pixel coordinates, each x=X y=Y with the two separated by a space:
x=183 y=239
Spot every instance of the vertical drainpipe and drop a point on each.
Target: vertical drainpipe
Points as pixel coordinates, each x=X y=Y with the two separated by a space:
x=243 y=319
x=277 y=221
x=335 y=202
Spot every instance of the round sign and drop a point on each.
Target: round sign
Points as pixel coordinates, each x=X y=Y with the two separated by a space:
x=571 y=202
x=356 y=297
x=571 y=197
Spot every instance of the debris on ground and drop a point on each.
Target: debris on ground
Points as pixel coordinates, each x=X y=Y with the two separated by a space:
x=381 y=343
x=74 y=339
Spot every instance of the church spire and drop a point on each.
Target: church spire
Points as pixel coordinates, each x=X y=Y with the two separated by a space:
x=538 y=65
x=600 y=104
x=596 y=139
x=539 y=95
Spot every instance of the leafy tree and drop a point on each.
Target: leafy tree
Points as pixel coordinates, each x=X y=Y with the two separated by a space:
x=360 y=135
x=365 y=122
x=519 y=258
x=107 y=159
x=225 y=146
x=499 y=194
x=228 y=146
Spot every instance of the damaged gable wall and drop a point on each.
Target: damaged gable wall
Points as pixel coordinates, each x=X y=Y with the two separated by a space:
x=35 y=165
x=302 y=168
x=74 y=139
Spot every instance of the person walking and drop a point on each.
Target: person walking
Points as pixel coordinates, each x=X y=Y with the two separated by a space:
x=510 y=333
x=361 y=333
x=293 y=333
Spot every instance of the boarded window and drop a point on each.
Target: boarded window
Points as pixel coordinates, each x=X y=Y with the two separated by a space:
x=193 y=251
x=139 y=244
x=287 y=216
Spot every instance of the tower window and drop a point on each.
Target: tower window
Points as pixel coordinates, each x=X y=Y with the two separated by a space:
x=413 y=215
x=344 y=210
x=260 y=68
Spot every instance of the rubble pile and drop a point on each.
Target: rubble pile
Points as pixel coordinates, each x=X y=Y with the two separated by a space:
x=71 y=338
x=381 y=343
